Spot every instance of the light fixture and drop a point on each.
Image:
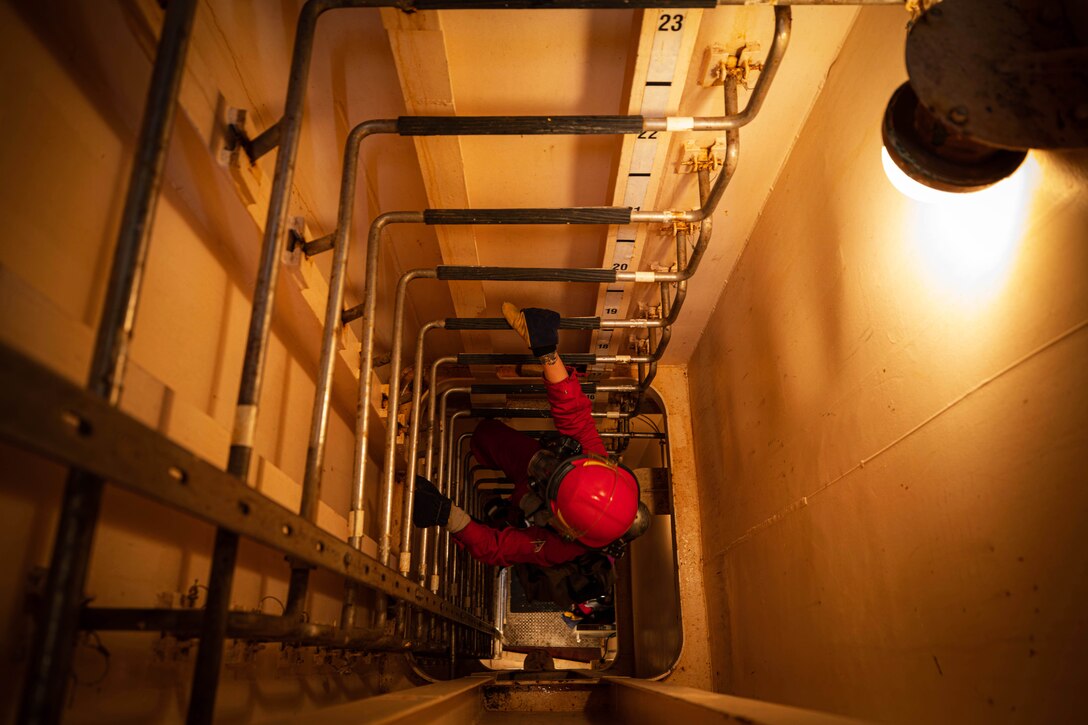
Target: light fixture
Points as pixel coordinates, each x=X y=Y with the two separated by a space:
x=931 y=153
x=988 y=81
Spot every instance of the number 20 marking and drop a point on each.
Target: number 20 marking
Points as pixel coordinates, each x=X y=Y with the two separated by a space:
x=676 y=20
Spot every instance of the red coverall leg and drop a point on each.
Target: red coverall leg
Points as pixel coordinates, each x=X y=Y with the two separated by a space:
x=498 y=445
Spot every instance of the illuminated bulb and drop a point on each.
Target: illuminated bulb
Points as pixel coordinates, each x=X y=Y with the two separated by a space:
x=909 y=187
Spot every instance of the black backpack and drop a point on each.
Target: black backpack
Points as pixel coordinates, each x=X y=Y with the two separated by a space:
x=587 y=577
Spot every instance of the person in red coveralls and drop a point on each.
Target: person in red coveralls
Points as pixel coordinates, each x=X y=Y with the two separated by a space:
x=575 y=504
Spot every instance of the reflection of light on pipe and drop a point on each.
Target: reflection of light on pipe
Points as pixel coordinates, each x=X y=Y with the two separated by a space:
x=968 y=241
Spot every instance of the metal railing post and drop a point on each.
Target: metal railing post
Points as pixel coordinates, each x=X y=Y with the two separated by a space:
x=51 y=653
x=319 y=421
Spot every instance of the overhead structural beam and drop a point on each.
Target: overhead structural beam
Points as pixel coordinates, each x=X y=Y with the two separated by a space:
x=422 y=60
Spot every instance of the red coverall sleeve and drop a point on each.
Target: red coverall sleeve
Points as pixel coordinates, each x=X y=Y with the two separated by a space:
x=534 y=545
x=571 y=412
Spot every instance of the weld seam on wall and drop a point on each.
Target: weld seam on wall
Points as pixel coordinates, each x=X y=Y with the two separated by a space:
x=803 y=501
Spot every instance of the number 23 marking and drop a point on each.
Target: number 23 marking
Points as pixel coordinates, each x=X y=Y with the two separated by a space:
x=676 y=20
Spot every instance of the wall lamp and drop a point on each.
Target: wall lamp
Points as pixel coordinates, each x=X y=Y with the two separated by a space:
x=989 y=80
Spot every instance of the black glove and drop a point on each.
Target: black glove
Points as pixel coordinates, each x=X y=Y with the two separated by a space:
x=537 y=326
x=430 y=507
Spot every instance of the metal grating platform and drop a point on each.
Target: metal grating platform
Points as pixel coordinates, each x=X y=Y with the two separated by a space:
x=535 y=624
x=540 y=624
x=538 y=629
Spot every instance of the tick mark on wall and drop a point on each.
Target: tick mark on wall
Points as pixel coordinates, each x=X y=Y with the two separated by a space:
x=938 y=663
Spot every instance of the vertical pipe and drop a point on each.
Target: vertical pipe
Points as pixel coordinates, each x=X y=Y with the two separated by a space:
x=366 y=367
x=413 y=442
x=390 y=471
x=470 y=503
x=446 y=570
x=441 y=536
x=474 y=505
x=51 y=652
x=706 y=189
x=220 y=580
x=783 y=24
x=453 y=652
x=443 y=484
x=447 y=465
x=500 y=605
x=457 y=489
x=431 y=423
x=479 y=568
x=319 y=419
x=315 y=453
x=356 y=516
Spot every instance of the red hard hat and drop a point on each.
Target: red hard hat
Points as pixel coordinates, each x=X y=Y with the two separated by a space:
x=596 y=501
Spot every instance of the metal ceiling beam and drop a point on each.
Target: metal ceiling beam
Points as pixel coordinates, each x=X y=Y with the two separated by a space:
x=419 y=51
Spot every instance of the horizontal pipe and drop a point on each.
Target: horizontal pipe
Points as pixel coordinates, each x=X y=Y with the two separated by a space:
x=549 y=274
x=412 y=5
x=48 y=414
x=185 y=624
x=525 y=274
x=508 y=412
x=516 y=125
x=570 y=215
x=319 y=245
x=499 y=323
x=266 y=141
x=575 y=358
x=521 y=389
x=601 y=433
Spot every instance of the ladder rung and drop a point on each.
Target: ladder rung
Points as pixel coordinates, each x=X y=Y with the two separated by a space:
x=470 y=358
x=525 y=274
x=499 y=323
x=572 y=215
x=521 y=388
x=516 y=125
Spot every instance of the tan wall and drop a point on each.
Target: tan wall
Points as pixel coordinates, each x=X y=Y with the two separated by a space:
x=64 y=166
x=892 y=458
